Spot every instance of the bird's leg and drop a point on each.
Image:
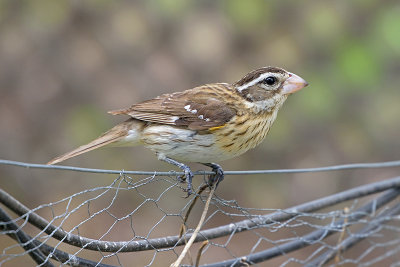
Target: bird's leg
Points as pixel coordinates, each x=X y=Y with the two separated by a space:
x=184 y=168
x=218 y=176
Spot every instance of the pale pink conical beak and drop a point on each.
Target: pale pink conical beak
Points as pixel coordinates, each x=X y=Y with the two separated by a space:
x=293 y=84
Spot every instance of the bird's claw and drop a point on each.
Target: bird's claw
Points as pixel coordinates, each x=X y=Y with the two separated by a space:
x=218 y=176
x=182 y=178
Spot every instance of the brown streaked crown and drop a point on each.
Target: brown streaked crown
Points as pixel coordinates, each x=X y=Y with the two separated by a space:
x=256 y=73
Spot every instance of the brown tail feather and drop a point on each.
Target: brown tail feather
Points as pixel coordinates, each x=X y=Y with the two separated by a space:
x=118 y=111
x=118 y=132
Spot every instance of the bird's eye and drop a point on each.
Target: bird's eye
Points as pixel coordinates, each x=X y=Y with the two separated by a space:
x=269 y=80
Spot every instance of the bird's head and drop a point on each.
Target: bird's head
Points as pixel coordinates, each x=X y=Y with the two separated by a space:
x=268 y=87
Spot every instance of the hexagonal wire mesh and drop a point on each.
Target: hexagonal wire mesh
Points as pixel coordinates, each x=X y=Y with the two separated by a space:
x=89 y=228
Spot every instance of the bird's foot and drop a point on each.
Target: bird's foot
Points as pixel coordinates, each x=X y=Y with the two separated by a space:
x=217 y=177
x=188 y=176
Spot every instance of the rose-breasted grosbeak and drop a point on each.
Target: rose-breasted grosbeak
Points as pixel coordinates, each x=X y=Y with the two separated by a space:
x=209 y=123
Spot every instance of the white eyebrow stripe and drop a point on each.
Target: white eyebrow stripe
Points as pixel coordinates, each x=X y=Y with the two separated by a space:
x=253 y=82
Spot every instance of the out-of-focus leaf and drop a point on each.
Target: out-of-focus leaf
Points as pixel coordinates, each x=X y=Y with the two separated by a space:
x=47 y=13
x=325 y=23
x=359 y=67
x=248 y=13
x=389 y=26
x=318 y=100
x=3 y=8
x=100 y=4
x=85 y=123
x=172 y=8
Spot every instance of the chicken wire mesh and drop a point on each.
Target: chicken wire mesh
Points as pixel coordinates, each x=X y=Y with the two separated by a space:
x=359 y=226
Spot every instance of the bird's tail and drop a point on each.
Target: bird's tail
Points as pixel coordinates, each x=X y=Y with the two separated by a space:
x=129 y=129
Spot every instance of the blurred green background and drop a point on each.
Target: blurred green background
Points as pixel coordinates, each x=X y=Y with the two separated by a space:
x=63 y=64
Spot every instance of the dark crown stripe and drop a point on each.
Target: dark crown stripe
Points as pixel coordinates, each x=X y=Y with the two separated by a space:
x=256 y=73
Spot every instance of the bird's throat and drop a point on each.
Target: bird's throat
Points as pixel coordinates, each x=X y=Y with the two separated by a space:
x=245 y=133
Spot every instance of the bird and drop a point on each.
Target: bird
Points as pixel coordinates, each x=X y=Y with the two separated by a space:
x=206 y=124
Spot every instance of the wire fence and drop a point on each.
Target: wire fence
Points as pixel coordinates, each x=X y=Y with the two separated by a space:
x=359 y=226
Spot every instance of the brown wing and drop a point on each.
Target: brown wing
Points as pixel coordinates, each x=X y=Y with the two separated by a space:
x=199 y=108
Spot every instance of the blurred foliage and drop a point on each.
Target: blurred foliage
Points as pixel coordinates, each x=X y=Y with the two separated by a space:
x=84 y=122
x=247 y=14
x=65 y=63
x=359 y=67
x=388 y=27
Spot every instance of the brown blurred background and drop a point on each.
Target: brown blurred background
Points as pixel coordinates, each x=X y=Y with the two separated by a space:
x=63 y=64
